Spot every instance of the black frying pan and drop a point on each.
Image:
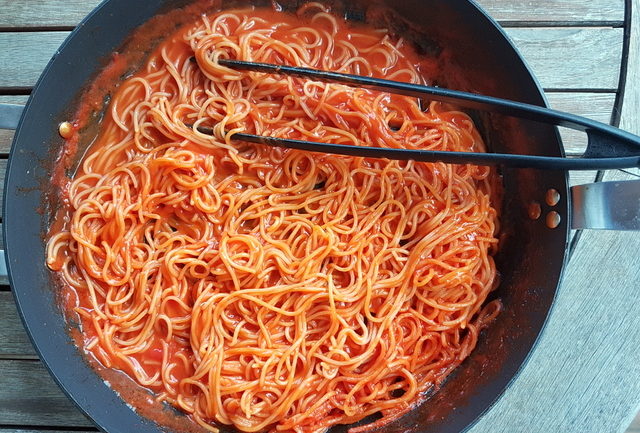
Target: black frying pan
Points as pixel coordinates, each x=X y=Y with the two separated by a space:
x=479 y=58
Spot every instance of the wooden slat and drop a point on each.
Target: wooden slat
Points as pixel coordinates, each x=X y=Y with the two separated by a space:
x=24 y=55
x=6 y=138
x=14 y=342
x=630 y=119
x=68 y=13
x=28 y=396
x=597 y=106
x=3 y=171
x=14 y=99
x=555 y=10
x=38 y=13
x=595 y=56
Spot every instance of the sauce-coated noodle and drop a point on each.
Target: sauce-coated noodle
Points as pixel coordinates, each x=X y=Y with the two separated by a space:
x=268 y=288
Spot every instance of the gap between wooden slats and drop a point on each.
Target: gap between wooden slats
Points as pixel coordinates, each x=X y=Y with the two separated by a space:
x=3 y=171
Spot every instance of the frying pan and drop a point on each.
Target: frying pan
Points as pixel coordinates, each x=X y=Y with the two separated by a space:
x=531 y=257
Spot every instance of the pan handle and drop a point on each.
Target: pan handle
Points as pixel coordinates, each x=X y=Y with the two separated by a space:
x=10 y=115
x=606 y=205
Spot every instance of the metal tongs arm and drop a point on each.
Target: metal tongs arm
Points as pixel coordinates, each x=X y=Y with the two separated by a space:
x=608 y=147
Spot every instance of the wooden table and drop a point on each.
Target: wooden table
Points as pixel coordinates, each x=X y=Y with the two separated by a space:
x=584 y=375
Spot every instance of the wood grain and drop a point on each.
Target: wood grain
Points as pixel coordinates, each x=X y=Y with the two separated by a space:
x=595 y=56
x=38 y=13
x=14 y=99
x=68 y=13
x=586 y=49
x=24 y=56
x=582 y=177
x=6 y=136
x=630 y=119
x=554 y=10
x=3 y=171
x=28 y=396
x=597 y=106
x=4 y=430
x=14 y=343
x=6 y=139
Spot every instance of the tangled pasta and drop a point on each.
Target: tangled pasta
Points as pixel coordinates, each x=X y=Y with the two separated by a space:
x=274 y=289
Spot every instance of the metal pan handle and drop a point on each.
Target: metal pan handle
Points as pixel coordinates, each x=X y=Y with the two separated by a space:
x=606 y=205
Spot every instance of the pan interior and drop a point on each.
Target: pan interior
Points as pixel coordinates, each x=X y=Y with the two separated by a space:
x=475 y=56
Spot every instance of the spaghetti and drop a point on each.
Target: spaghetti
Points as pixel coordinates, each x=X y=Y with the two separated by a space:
x=274 y=289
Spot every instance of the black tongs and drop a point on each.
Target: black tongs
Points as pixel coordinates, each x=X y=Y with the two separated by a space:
x=608 y=147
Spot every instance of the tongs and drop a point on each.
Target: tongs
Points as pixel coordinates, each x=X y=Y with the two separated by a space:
x=607 y=147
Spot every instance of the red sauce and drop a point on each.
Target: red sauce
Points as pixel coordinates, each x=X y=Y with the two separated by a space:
x=86 y=126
